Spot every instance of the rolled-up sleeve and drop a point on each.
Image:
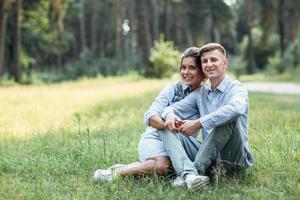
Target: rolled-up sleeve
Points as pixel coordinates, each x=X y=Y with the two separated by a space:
x=160 y=102
x=236 y=106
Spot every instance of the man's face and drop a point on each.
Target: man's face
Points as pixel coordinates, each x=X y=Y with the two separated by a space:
x=214 y=64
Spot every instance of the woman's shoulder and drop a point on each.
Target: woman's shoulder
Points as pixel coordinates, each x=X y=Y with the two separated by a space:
x=172 y=85
x=181 y=90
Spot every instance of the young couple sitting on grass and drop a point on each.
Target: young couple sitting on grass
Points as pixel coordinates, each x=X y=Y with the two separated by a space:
x=219 y=109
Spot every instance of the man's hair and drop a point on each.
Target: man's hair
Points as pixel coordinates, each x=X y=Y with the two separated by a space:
x=211 y=47
x=192 y=52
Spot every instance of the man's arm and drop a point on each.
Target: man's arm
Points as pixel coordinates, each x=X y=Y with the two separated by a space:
x=184 y=108
x=236 y=107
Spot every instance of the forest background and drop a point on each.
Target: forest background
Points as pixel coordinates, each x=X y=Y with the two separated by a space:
x=55 y=40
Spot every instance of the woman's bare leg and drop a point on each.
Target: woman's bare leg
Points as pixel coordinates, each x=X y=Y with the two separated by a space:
x=159 y=165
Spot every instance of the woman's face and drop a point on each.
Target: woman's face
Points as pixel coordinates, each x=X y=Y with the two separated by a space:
x=190 y=72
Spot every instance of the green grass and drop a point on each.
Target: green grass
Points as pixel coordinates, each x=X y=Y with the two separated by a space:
x=58 y=162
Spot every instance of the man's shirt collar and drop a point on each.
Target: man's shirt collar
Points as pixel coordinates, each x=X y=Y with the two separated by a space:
x=222 y=86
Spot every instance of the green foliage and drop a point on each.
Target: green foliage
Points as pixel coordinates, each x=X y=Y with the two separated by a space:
x=263 y=48
x=90 y=66
x=27 y=63
x=37 y=35
x=51 y=35
x=275 y=66
x=291 y=57
x=165 y=58
x=59 y=164
x=237 y=65
x=62 y=43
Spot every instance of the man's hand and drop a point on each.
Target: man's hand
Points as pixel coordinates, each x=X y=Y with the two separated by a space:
x=189 y=127
x=173 y=122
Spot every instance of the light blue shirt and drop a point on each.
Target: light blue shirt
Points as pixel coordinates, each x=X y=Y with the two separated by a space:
x=168 y=96
x=227 y=102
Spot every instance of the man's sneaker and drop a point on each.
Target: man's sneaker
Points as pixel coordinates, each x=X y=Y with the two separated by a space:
x=105 y=175
x=178 y=182
x=196 y=182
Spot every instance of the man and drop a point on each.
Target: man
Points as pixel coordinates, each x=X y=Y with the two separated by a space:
x=223 y=107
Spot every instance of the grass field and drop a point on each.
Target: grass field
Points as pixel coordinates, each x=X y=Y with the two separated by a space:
x=52 y=138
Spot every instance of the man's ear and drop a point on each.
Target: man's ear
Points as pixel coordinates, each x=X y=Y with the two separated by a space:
x=226 y=62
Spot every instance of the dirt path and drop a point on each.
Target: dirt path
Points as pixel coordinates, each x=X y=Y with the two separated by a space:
x=273 y=87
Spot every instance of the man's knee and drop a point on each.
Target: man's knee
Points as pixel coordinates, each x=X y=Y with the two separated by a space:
x=228 y=127
x=223 y=134
x=165 y=133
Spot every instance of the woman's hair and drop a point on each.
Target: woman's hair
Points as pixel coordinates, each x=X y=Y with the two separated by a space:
x=193 y=52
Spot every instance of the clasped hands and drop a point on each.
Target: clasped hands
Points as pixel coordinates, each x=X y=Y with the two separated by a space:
x=186 y=127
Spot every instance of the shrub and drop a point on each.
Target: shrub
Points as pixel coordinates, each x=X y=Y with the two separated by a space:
x=291 y=57
x=237 y=65
x=165 y=58
x=274 y=64
x=91 y=67
x=262 y=47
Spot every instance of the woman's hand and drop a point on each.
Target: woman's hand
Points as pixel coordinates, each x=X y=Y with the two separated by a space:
x=157 y=122
x=173 y=122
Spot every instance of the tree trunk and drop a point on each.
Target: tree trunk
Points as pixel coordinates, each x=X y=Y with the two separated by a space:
x=17 y=41
x=103 y=30
x=143 y=35
x=119 y=17
x=250 y=53
x=3 y=17
x=82 y=26
x=94 y=27
x=280 y=12
x=215 y=32
x=153 y=20
x=188 y=35
x=166 y=19
x=179 y=29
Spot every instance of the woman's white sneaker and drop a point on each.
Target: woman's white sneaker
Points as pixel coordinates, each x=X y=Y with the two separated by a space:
x=106 y=175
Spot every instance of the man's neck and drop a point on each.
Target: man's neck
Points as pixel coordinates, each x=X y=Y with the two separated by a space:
x=215 y=82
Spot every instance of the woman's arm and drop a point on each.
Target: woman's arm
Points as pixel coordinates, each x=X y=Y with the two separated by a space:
x=155 y=110
x=157 y=122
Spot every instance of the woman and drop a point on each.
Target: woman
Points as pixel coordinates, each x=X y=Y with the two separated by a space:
x=152 y=154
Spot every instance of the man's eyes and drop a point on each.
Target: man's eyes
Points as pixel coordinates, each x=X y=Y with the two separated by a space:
x=211 y=60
